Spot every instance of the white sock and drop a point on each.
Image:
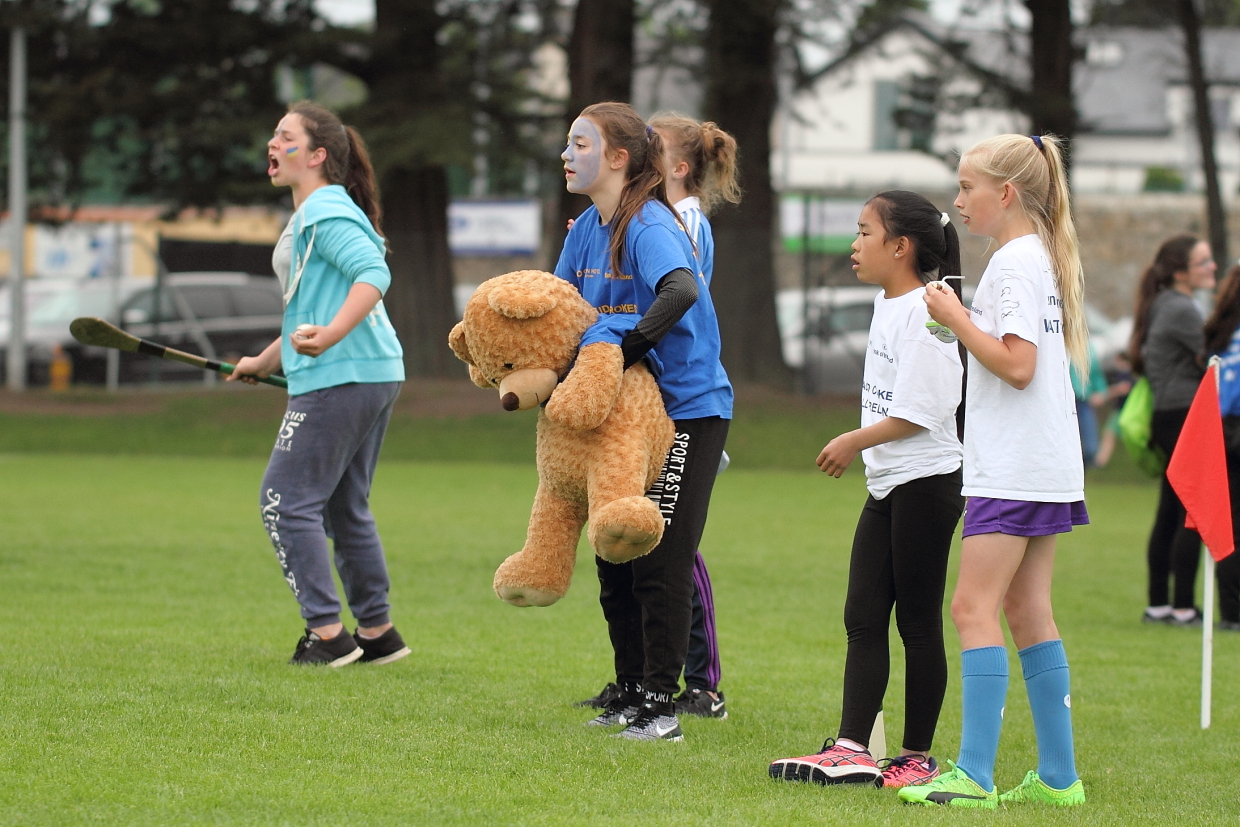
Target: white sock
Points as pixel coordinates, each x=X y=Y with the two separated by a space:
x=853 y=745
x=1158 y=611
x=1184 y=614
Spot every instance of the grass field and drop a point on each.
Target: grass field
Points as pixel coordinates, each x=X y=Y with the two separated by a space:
x=146 y=629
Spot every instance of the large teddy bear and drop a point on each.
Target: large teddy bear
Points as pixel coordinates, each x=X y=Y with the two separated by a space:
x=602 y=434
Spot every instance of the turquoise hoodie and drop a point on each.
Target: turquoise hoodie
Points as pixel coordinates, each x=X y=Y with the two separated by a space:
x=335 y=247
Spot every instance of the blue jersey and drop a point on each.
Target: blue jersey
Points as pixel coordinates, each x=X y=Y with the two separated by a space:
x=698 y=227
x=693 y=382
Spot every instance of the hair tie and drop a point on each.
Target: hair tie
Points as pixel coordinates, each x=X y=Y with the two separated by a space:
x=1037 y=141
x=649 y=132
x=944 y=219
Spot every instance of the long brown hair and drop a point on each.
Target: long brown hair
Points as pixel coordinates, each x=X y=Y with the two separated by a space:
x=710 y=153
x=621 y=128
x=1226 y=316
x=1034 y=167
x=1171 y=258
x=348 y=162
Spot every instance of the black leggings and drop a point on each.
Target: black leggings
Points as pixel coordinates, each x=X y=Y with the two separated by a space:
x=648 y=602
x=899 y=557
x=1173 y=549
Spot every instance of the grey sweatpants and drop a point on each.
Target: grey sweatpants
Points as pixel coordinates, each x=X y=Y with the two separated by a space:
x=317 y=485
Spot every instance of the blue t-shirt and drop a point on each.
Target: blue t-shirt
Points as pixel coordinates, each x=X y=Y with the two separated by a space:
x=693 y=382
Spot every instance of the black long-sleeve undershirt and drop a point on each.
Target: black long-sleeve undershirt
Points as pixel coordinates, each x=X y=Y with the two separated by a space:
x=675 y=293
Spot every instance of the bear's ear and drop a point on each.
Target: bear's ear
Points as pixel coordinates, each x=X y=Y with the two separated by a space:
x=456 y=341
x=524 y=295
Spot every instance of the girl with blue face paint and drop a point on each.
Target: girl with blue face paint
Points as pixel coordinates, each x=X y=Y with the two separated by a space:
x=630 y=257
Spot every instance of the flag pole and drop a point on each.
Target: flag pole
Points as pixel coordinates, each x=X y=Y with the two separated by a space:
x=1207 y=610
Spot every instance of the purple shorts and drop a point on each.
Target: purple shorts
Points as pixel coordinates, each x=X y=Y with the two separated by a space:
x=1021 y=518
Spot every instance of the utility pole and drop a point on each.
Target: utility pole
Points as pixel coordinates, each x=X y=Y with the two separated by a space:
x=16 y=363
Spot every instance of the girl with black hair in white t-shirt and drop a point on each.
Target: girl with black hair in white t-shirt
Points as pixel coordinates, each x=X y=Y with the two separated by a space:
x=908 y=441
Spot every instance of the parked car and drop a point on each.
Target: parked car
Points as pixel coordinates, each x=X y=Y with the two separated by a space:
x=834 y=331
x=218 y=315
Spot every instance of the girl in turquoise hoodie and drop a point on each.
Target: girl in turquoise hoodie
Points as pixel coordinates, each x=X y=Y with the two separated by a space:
x=344 y=368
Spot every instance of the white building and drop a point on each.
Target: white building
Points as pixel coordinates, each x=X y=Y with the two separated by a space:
x=895 y=111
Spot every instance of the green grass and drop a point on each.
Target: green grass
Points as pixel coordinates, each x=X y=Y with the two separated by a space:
x=146 y=628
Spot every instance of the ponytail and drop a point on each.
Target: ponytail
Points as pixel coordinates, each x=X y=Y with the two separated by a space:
x=348 y=162
x=710 y=153
x=1171 y=258
x=1226 y=316
x=621 y=128
x=936 y=246
x=1034 y=165
x=359 y=180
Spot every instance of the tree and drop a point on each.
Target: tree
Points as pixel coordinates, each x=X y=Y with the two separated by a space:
x=600 y=68
x=1215 y=212
x=741 y=97
x=1050 y=103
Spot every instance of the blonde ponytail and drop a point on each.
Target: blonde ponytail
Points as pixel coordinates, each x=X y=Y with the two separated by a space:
x=710 y=153
x=1034 y=166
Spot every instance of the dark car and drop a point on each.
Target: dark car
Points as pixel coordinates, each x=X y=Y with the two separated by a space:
x=221 y=316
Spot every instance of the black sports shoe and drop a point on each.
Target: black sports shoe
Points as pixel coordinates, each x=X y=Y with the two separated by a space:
x=699 y=702
x=1192 y=620
x=620 y=709
x=1228 y=625
x=313 y=650
x=600 y=700
x=654 y=722
x=385 y=648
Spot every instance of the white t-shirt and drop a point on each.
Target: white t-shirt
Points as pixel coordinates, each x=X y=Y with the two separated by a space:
x=911 y=375
x=1022 y=444
x=282 y=255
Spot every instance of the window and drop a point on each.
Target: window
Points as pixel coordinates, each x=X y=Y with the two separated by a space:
x=207 y=301
x=141 y=308
x=886 y=100
x=258 y=299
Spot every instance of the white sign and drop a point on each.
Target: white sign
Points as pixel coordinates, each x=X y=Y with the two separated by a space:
x=827 y=217
x=79 y=250
x=494 y=228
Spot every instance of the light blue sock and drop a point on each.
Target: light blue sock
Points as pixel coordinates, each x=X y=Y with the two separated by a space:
x=1046 y=680
x=984 y=679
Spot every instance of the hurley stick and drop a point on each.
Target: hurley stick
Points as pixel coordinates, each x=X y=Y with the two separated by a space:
x=91 y=331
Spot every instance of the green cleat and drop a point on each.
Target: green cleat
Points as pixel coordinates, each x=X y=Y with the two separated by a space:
x=953 y=789
x=1033 y=790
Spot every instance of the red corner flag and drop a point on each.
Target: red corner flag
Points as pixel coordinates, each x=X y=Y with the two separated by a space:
x=1198 y=470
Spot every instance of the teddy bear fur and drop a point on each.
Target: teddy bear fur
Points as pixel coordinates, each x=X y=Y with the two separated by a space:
x=602 y=436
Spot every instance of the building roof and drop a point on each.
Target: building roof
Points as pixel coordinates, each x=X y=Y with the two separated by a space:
x=1121 y=83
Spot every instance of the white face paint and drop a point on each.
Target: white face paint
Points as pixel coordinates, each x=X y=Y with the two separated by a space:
x=583 y=156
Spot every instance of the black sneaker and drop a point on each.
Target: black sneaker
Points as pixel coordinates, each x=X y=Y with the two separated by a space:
x=618 y=711
x=1228 y=625
x=701 y=703
x=1192 y=620
x=312 y=650
x=654 y=722
x=1149 y=617
x=600 y=700
x=385 y=648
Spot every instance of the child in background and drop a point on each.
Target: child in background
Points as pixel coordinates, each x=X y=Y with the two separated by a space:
x=912 y=456
x=1023 y=475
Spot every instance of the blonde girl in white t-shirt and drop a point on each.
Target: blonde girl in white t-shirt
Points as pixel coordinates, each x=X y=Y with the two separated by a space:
x=1023 y=475
x=912 y=456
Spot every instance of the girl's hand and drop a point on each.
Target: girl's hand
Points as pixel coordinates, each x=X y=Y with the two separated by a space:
x=312 y=339
x=837 y=455
x=249 y=369
x=943 y=305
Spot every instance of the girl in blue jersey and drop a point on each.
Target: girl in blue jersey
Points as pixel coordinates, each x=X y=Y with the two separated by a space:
x=629 y=253
x=699 y=167
x=344 y=368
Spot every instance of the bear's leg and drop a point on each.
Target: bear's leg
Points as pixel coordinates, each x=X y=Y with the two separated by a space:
x=624 y=523
x=539 y=574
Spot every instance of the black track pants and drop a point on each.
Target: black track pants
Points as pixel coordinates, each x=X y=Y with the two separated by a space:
x=648 y=601
x=899 y=557
x=1173 y=551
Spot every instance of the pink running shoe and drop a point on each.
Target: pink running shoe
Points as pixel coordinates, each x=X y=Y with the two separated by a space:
x=834 y=764
x=907 y=771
